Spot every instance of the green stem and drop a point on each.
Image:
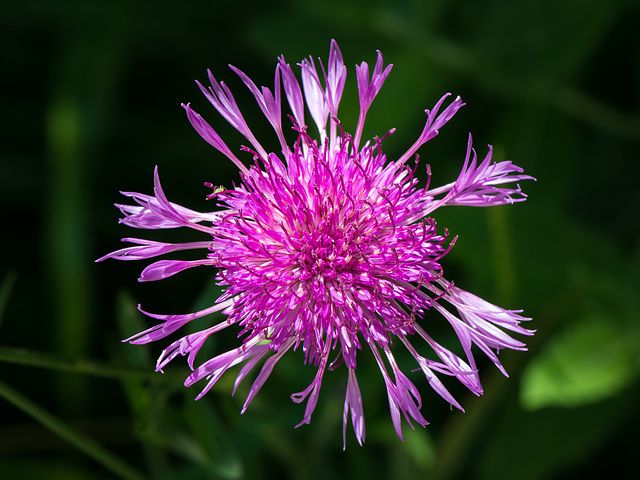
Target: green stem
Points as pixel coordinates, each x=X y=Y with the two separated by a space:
x=502 y=251
x=77 y=439
x=82 y=367
x=5 y=292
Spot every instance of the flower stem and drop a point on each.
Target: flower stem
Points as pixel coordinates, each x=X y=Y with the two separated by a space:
x=42 y=360
x=77 y=439
x=5 y=292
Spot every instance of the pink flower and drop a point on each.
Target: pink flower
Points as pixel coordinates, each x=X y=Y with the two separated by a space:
x=328 y=246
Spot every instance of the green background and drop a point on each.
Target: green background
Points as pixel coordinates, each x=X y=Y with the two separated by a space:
x=90 y=103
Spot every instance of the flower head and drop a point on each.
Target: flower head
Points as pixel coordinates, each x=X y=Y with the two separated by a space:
x=327 y=246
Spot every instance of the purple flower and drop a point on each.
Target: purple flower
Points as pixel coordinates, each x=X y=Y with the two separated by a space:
x=328 y=246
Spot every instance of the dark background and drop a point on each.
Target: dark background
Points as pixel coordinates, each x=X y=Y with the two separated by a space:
x=90 y=95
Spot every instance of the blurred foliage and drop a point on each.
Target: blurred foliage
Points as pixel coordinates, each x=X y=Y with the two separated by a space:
x=91 y=94
x=586 y=362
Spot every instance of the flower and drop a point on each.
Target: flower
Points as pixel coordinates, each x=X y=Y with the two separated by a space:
x=328 y=246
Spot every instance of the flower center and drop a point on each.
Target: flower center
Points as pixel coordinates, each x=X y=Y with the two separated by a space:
x=328 y=253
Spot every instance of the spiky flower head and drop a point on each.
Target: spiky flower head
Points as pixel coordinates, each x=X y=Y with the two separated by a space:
x=328 y=246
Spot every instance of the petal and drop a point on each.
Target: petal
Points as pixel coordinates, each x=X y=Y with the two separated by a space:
x=315 y=95
x=266 y=370
x=353 y=403
x=433 y=124
x=292 y=91
x=313 y=389
x=167 y=268
x=148 y=249
x=211 y=136
x=336 y=78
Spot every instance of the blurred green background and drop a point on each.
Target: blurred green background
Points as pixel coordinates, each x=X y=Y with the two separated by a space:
x=90 y=99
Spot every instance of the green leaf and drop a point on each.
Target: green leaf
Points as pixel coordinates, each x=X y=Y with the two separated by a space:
x=80 y=441
x=129 y=323
x=589 y=361
x=542 y=444
x=210 y=444
x=144 y=407
x=420 y=448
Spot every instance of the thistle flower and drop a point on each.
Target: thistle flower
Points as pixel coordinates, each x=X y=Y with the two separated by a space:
x=328 y=246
